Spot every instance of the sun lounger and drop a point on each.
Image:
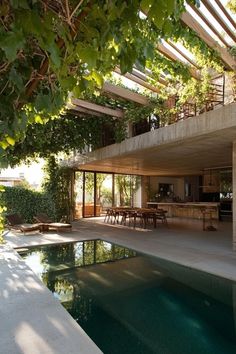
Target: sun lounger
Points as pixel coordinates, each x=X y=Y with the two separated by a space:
x=15 y=222
x=47 y=223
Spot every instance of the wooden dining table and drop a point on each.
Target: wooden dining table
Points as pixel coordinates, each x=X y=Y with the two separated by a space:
x=121 y=214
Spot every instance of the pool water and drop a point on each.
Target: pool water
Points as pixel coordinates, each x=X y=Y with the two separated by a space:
x=134 y=303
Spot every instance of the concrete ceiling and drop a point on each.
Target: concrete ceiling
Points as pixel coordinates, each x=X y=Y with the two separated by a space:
x=184 y=148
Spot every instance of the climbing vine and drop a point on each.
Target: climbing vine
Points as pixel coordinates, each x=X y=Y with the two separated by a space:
x=232 y=5
x=57 y=185
x=49 y=48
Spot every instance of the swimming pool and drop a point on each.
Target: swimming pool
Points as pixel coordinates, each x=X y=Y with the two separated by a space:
x=129 y=302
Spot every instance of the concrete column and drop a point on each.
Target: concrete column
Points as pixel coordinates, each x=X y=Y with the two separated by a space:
x=234 y=194
x=144 y=187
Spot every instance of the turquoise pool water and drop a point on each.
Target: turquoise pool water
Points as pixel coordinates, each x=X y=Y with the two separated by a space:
x=131 y=303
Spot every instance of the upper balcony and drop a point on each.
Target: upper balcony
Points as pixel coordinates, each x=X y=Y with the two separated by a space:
x=185 y=147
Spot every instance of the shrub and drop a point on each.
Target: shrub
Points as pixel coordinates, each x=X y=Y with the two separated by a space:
x=27 y=203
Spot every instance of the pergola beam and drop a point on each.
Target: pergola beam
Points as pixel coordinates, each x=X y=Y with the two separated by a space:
x=174 y=46
x=219 y=19
x=146 y=74
x=141 y=80
x=170 y=55
x=225 y=12
x=190 y=21
x=125 y=93
x=208 y=23
x=82 y=111
x=93 y=107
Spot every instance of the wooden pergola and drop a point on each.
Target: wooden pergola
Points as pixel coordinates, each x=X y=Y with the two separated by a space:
x=217 y=33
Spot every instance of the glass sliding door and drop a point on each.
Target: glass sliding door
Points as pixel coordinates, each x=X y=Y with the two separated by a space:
x=122 y=190
x=127 y=190
x=89 y=193
x=78 y=195
x=95 y=192
x=104 y=192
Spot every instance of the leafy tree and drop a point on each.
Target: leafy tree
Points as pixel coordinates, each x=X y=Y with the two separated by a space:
x=49 y=48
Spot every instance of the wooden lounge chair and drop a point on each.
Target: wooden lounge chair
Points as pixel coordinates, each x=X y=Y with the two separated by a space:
x=15 y=222
x=47 y=223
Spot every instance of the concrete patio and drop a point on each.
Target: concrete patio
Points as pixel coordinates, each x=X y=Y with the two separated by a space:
x=33 y=321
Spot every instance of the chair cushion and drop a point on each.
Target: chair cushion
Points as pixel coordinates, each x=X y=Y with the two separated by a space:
x=59 y=225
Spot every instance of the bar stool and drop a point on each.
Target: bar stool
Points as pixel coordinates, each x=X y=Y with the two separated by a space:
x=207 y=212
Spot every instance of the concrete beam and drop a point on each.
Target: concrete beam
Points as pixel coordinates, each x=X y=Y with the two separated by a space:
x=83 y=111
x=183 y=148
x=97 y=108
x=125 y=93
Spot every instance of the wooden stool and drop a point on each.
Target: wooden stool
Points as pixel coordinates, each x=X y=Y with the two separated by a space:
x=207 y=212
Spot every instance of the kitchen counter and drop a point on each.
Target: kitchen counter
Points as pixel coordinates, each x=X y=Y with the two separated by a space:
x=187 y=210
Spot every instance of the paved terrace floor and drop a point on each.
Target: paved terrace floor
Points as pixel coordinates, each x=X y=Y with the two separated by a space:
x=32 y=320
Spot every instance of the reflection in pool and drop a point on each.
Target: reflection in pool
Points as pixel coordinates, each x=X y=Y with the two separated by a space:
x=133 y=303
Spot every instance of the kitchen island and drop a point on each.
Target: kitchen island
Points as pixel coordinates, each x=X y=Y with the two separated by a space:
x=193 y=210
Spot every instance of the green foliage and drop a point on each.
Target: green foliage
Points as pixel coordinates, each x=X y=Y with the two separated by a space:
x=205 y=56
x=46 y=51
x=231 y=4
x=126 y=186
x=61 y=135
x=26 y=202
x=196 y=91
x=232 y=51
x=58 y=185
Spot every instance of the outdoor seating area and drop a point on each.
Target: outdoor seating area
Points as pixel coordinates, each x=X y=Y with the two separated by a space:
x=15 y=222
x=43 y=224
x=47 y=224
x=135 y=216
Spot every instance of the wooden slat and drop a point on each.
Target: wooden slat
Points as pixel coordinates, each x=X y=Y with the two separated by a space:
x=170 y=55
x=146 y=74
x=208 y=23
x=190 y=21
x=97 y=108
x=142 y=81
x=183 y=54
x=225 y=12
x=219 y=19
x=125 y=93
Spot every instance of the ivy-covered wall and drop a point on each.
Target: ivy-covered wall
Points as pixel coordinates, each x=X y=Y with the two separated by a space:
x=27 y=203
x=58 y=185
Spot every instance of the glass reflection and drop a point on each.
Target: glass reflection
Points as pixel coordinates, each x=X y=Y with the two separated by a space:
x=53 y=265
x=131 y=303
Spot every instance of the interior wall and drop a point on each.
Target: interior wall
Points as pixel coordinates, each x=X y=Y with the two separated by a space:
x=178 y=184
x=195 y=188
